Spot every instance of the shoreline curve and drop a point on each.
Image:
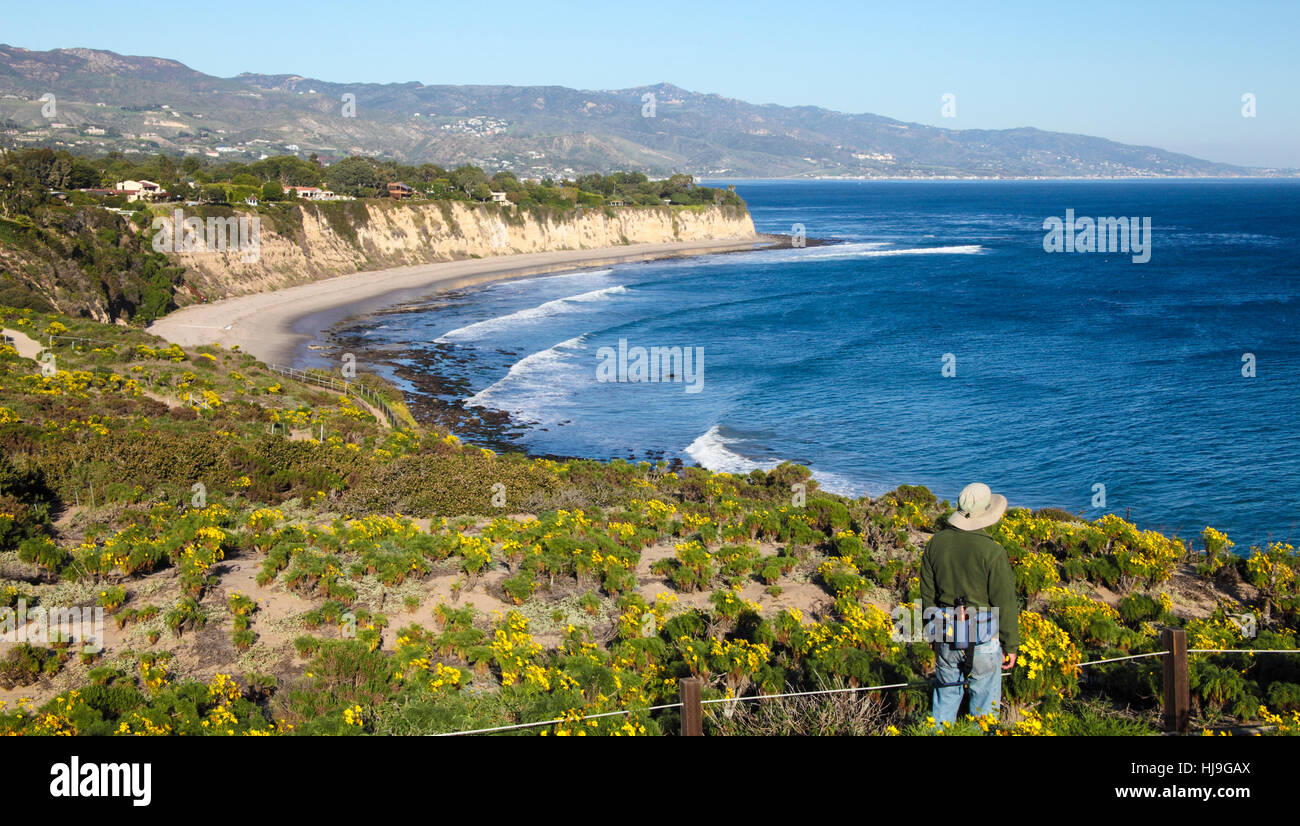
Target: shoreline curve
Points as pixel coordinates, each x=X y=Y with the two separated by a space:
x=273 y=326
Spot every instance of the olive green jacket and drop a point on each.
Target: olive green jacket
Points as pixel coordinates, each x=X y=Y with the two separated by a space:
x=972 y=564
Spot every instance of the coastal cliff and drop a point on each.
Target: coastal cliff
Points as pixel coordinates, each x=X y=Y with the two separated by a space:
x=312 y=241
x=96 y=263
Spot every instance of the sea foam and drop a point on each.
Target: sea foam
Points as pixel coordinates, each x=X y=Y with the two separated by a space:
x=873 y=251
x=713 y=450
x=551 y=308
x=533 y=386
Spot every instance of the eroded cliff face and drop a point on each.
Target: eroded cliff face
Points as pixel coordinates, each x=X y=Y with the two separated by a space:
x=314 y=241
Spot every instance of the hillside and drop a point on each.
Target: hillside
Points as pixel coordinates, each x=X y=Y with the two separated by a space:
x=84 y=261
x=70 y=245
x=272 y=559
x=90 y=262
x=307 y=242
x=148 y=104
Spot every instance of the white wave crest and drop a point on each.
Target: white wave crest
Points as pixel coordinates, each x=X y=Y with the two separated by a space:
x=844 y=486
x=713 y=451
x=872 y=251
x=550 y=276
x=550 y=308
x=533 y=386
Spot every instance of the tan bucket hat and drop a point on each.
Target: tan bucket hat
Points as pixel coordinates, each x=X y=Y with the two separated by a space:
x=978 y=507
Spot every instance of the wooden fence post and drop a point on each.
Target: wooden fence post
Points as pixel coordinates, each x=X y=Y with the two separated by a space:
x=692 y=711
x=1177 y=693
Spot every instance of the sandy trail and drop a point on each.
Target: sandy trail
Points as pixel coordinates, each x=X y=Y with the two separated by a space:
x=271 y=326
x=26 y=346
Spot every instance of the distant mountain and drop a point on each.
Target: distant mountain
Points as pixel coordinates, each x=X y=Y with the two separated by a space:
x=103 y=100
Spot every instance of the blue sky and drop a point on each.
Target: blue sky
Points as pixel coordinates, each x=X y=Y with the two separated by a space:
x=1168 y=74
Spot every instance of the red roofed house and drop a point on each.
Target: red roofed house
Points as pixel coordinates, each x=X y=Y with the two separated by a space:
x=136 y=190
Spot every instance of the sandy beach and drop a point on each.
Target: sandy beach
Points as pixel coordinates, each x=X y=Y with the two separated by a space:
x=272 y=326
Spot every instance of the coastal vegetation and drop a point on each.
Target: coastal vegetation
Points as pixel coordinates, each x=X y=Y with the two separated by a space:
x=274 y=559
x=70 y=242
x=29 y=175
x=75 y=253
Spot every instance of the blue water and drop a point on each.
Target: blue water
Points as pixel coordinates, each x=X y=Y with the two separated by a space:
x=1072 y=369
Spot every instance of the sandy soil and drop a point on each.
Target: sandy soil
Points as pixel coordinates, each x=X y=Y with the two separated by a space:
x=273 y=325
x=26 y=346
x=199 y=654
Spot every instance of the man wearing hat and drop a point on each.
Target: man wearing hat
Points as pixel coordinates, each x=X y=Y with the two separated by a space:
x=964 y=570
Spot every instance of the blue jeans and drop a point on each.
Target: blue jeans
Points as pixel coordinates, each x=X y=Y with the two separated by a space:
x=983 y=664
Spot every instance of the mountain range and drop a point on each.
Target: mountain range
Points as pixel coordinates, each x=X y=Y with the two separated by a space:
x=89 y=101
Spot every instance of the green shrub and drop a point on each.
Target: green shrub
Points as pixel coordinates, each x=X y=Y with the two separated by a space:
x=186 y=616
x=41 y=550
x=1056 y=514
x=828 y=516
x=1091 y=722
x=918 y=495
x=690 y=570
x=25 y=663
x=343 y=673
x=1074 y=569
x=1102 y=569
x=520 y=586
x=1284 y=697
x=1135 y=608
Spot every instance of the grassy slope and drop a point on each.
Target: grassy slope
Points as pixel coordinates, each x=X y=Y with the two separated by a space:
x=538 y=589
x=83 y=261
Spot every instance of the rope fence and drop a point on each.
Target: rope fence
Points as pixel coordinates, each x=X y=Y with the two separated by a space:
x=754 y=697
x=1242 y=651
x=348 y=388
x=1120 y=659
x=1177 y=703
x=76 y=340
x=560 y=720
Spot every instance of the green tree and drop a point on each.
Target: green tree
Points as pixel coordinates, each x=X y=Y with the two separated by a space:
x=679 y=183
x=213 y=194
x=357 y=177
x=465 y=178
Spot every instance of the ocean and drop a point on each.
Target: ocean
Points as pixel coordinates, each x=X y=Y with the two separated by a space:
x=935 y=341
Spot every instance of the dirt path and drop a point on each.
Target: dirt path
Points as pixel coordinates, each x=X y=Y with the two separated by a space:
x=27 y=347
x=30 y=348
x=303 y=434
x=810 y=599
x=374 y=411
